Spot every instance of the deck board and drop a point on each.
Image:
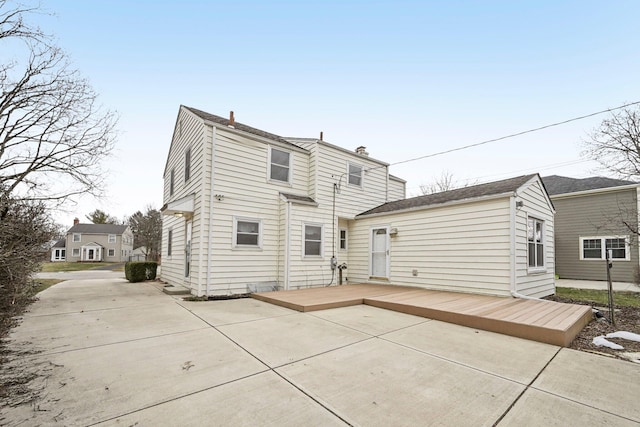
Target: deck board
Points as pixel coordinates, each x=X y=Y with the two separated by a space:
x=539 y=320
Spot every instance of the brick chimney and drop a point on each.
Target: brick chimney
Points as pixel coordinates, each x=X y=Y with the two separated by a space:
x=232 y=120
x=76 y=221
x=362 y=150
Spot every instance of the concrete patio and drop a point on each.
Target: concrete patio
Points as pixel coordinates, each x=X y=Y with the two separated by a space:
x=116 y=353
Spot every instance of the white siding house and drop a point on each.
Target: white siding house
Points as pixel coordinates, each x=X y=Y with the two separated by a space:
x=247 y=210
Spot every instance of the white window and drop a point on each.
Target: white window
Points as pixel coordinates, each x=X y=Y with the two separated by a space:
x=312 y=240
x=279 y=165
x=187 y=164
x=76 y=252
x=597 y=247
x=247 y=232
x=111 y=252
x=112 y=238
x=77 y=237
x=355 y=174
x=343 y=239
x=535 y=238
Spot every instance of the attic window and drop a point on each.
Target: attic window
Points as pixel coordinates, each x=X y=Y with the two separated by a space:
x=280 y=165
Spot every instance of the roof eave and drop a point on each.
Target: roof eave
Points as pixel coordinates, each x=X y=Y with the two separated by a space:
x=594 y=191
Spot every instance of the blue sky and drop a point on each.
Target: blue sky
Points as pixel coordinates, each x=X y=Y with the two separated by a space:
x=403 y=78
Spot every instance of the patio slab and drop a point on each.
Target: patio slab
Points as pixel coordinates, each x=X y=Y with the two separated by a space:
x=514 y=358
x=378 y=383
x=226 y=312
x=285 y=339
x=264 y=399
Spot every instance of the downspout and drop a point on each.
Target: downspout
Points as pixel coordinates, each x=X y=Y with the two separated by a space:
x=287 y=245
x=211 y=192
x=512 y=250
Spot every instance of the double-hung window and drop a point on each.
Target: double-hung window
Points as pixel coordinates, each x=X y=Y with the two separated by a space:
x=343 y=239
x=77 y=237
x=279 y=165
x=112 y=238
x=111 y=252
x=535 y=240
x=355 y=174
x=597 y=247
x=247 y=233
x=312 y=240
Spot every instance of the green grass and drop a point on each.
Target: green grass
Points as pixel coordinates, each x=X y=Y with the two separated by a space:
x=42 y=284
x=625 y=299
x=55 y=267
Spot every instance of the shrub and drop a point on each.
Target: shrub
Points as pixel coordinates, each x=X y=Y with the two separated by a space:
x=140 y=271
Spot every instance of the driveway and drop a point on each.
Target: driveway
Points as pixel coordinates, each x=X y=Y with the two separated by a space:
x=116 y=353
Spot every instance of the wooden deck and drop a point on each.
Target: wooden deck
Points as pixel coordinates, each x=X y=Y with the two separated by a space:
x=539 y=320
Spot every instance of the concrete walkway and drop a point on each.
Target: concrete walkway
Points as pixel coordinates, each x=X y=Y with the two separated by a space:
x=116 y=353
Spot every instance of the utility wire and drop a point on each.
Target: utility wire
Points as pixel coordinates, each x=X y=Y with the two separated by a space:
x=511 y=135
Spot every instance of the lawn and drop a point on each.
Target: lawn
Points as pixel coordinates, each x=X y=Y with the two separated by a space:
x=55 y=267
x=598 y=297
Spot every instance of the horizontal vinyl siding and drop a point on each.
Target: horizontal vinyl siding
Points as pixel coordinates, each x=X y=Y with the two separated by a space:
x=535 y=204
x=397 y=190
x=463 y=248
x=596 y=215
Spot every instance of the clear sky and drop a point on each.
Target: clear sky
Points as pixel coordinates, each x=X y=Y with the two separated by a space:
x=403 y=78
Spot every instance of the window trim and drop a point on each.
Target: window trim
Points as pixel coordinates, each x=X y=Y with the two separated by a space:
x=110 y=240
x=187 y=164
x=543 y=242
x=73 y=238
x=603 y=245
x=75 y=251
x=349 y=164
x=304 y=240
x=111 y=252
x=346 y=239
x=269 y=164
x=235 y=244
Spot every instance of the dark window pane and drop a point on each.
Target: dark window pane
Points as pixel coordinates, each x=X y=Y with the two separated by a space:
x=312 y=232
x=532 y=254
x=279 y=173
x=280 y=157
x=311 y=248
x=247 y=239
x=248 y=227
x=592 y=253
x=355 y=174
x=539 y=256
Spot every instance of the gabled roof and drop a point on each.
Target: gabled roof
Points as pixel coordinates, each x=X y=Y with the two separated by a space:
x=557 y=184
x=239 y=126
x=459 y=194
x=98 y=228
x=60 y=243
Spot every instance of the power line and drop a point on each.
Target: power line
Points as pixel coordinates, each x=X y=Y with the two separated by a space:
x=512 y=135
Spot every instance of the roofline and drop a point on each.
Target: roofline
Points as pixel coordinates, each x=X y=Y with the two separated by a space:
x=336 y=147
x=253 y=136
x=594 y=191
x=396 y=178
x=440 y=205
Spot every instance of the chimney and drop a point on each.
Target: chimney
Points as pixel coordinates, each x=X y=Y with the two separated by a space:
x=362 y=150
x=76 y=221
x=321 y=136
x=232 y=120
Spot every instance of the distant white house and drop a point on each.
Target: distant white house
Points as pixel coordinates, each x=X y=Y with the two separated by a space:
x=95 y=243
x=248 y=210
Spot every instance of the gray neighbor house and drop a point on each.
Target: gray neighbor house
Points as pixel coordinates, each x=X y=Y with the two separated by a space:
x=590 y=219
x=94 y=243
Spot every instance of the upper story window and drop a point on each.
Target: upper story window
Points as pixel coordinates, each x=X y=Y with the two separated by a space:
x=535 y=240
x=187 y=164
x=112 y=238
x=312 y=240
x=172 y=181
x=247 y=232
x=77 y=237
x=279 y=165
x=597 y=247
x=355 y=174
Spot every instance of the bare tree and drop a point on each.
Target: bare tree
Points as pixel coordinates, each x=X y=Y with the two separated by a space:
x=147 y=231
x=444 y=182
x=615 y=144
x=53 y=133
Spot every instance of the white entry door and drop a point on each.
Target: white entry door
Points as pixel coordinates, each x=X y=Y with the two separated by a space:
x=380 y=252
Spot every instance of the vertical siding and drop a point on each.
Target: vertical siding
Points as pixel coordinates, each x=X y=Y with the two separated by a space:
x=463 y=248
x=535 y=204
x=594 y=215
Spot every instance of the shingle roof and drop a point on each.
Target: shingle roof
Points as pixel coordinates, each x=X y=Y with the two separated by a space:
x=466 y=193
x=60 y=243
x=98 y=228
x=556 y=184
x=239 y=126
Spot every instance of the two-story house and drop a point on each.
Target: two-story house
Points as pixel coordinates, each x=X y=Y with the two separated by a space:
x=595 y=215
x=248 y=210
x=94 y=243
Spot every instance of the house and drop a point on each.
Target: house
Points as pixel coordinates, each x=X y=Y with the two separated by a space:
x=594 y=215
x=95 y=243
x=246 y=210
